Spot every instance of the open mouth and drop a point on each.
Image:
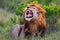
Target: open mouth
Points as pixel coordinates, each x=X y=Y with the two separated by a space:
x=29 y=14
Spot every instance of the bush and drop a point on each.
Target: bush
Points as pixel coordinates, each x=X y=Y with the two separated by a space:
x=52 y=10
x=52 y=15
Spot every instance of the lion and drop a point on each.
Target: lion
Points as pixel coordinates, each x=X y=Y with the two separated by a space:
x=16 y=31
x=34 y=20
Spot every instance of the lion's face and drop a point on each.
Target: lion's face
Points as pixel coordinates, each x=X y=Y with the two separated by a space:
x=30 y=13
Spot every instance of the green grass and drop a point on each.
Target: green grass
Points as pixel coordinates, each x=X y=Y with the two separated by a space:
x=52 y=36
x=6 y=23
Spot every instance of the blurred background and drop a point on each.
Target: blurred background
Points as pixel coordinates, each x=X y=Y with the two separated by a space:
x=11 y=12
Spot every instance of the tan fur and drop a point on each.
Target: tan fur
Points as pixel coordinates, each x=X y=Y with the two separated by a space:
x=36 y=24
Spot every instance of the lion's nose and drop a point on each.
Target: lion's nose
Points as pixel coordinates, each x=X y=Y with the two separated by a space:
x=28 y=7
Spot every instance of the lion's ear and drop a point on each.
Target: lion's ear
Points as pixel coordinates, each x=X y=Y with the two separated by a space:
x=42 y=10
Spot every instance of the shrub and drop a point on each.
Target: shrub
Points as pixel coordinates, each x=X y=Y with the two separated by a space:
x=52 y=15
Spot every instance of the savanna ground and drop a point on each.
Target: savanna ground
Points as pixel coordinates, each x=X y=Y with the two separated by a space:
x=11 y=11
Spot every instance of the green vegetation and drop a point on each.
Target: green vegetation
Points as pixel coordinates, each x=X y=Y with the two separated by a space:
x=11 y=12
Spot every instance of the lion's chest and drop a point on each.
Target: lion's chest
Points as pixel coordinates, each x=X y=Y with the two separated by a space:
x=32 y=27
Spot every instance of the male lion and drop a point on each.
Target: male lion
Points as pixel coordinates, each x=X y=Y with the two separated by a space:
x=34 y=20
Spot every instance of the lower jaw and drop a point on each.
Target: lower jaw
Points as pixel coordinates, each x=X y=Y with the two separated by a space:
x=28 y=19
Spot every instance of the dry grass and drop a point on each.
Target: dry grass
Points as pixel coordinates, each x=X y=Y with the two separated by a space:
x=5 y=27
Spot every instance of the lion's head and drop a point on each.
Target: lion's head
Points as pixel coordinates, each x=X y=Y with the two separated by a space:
x=32 y=11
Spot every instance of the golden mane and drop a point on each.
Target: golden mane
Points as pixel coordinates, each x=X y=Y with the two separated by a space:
x=38 y=6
